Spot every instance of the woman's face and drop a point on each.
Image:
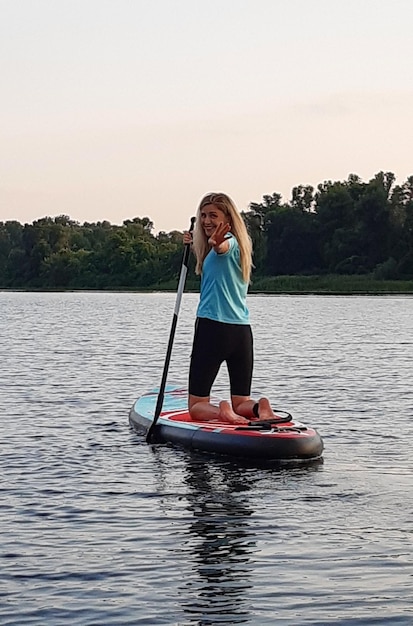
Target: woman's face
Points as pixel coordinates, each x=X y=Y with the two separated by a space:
x=211 y=217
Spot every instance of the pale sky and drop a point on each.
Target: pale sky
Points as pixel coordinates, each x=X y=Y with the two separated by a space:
x=114 y=109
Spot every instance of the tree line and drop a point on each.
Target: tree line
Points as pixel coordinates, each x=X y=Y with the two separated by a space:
x=342 y=227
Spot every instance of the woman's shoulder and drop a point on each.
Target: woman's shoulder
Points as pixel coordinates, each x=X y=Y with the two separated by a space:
x=233 y=248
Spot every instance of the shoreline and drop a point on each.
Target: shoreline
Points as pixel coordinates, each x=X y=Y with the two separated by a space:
x=326 y=285
x=310 y=292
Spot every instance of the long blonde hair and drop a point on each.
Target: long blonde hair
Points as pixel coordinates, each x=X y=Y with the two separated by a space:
x=238 y=230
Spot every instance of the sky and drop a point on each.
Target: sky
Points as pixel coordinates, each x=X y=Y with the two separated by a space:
x=115 y=109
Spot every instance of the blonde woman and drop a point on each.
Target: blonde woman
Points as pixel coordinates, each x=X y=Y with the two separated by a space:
x=223 y=252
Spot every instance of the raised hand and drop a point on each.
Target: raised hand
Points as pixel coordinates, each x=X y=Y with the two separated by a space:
x=218 y=236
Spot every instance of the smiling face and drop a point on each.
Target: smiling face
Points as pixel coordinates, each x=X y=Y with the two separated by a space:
x=211 y=217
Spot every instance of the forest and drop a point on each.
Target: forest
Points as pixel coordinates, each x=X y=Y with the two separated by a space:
x=342 y=228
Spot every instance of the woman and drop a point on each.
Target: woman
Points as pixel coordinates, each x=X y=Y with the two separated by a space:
x=223 y=252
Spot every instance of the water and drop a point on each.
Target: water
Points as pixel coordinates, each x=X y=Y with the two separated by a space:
x=97 y=528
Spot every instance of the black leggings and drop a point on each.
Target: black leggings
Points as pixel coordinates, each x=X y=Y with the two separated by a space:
x=214 y=343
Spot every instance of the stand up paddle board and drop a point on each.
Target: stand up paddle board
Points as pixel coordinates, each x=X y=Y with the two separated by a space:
x=280 y=439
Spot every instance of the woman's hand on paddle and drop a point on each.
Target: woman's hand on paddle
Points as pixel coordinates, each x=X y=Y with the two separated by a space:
x=187 y=238
x=218 y=236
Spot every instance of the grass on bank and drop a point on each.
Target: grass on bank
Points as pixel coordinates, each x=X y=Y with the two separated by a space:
x=329 y=284
x=323 y=285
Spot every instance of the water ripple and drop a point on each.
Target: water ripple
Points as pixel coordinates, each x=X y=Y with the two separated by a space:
x=98 y=528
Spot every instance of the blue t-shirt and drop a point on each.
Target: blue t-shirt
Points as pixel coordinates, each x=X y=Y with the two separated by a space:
x=223 y=289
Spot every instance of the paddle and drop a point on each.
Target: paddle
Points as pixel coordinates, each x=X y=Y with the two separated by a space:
x=150 y=436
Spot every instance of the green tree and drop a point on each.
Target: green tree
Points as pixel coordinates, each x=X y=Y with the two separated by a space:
x=401 y=235
x=292 y=246
x=257 y=220
x=336 y=224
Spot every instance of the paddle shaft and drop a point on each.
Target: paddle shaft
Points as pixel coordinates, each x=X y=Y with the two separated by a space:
x=180 y=290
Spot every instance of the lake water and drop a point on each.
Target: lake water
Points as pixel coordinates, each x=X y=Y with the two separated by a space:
x=97 y=528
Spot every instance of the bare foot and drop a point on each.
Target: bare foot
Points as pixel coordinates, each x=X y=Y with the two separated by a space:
x=226 y=414
x=265 y=411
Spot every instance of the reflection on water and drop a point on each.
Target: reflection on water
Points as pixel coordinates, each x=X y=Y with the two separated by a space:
x=222 y=542
x=221 y=537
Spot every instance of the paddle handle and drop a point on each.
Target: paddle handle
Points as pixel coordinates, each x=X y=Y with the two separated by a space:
x=180 y=290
